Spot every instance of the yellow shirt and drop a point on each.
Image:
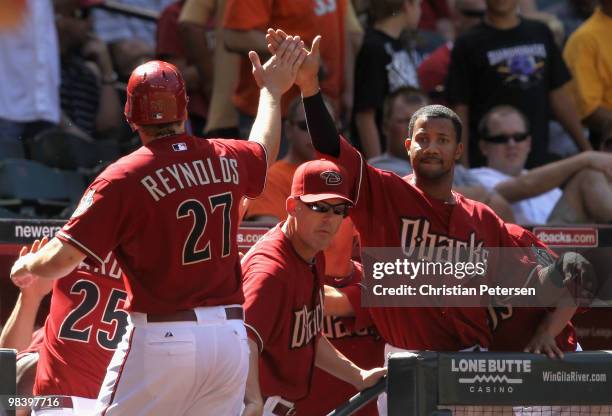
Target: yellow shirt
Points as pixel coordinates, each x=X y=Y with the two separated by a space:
x=588 y=55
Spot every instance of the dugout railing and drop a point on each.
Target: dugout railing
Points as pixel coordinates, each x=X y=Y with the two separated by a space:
x=488 y=383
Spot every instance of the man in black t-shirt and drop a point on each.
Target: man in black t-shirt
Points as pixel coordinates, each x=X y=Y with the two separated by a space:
x=510 y=60
x=384 y=63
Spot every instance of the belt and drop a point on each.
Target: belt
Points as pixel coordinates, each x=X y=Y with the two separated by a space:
x=232 y=312
x=53 y=402
x=283 y=410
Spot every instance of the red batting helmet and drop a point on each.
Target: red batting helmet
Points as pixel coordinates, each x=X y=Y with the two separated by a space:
x=156 y=94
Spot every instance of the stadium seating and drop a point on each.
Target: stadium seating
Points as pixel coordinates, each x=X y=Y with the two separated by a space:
x=26 y=182
x=60 y=149
x=11 y=149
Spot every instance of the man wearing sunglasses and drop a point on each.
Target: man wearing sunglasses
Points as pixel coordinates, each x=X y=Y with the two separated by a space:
x=283 y=281
x=535 y=195
x=414 y=213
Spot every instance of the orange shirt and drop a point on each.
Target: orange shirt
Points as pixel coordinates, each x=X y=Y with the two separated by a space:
x=306 y=18
x=272 y=203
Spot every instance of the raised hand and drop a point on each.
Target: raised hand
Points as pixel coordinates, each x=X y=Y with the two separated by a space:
x=279 y=72
x=25 y=280
x=307 y=76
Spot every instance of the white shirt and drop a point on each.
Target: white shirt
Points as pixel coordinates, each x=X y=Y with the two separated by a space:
x=30 y=67
x=534 y=210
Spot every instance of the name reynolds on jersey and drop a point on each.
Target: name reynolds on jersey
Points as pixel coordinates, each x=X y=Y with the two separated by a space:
x=166 y=180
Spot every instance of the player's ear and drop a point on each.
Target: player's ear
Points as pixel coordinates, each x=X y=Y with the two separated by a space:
x=291 y=205
x=458 y=152
x=407 y=144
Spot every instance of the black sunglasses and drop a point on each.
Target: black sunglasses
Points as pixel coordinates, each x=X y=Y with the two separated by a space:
x=505 y=138
x=302 y=125
x=323 y=207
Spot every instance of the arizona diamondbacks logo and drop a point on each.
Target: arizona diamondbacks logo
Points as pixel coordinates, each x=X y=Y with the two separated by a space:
x=331 y=178
x=85 y=203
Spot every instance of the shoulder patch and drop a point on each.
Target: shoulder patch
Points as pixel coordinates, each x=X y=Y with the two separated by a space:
x=85 y=203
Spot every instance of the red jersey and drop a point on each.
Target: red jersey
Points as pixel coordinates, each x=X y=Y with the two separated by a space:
x=413 y=220
x=169 y=213
x=306 y=18
x=354 y=338
x=283 y=311
x=85 y=324
x=513 y=327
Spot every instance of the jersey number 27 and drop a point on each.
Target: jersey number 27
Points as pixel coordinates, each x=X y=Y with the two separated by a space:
x=195 y=208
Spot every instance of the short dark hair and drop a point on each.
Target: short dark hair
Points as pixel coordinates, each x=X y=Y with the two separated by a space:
x=437 y=111
x=158 y=130
x=483 y=124
x=381 y=9
x=409 y=95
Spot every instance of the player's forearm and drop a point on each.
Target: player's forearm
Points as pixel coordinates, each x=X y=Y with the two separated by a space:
x=321 y=126
x=337 y=303
x=541 y=179
x=243 y=41
x=335 y=363
x=565 y=111
x=17 y=332
x=54 y=260
x=368 y=133
x=267 y=126
x=555 y=321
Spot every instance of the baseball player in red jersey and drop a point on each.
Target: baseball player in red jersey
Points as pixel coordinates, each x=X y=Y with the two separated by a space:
x=419 y=210
x=169 y=211
x=86 y=321
x=283 y=281
x=530 y=329
x=354 y=337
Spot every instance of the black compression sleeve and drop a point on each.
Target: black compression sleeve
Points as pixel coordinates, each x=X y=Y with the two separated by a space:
x=321 y=126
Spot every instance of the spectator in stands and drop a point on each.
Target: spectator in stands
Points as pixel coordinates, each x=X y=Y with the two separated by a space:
x=434 y=69
x=201 y=26
x=29 y=68
x=511 y=60
x=588 y=54
x=398 y=108
x=170 y=48
x=131 y=39
x=506 y=143
x=245 y=25
x=383 y=65
x=89 y=101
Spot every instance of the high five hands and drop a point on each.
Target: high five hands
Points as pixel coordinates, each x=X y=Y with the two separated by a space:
x=279 y=72
x=307 y=74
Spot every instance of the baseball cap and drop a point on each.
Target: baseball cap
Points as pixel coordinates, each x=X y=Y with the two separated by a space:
x=317 y=180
